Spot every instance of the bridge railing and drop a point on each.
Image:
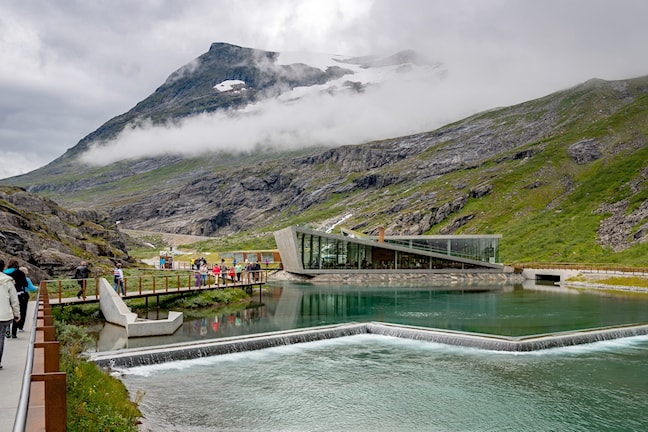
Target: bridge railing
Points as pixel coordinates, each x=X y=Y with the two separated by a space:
x=186 y=265
x=596 y=267
x=42 y=403
x=162 y=281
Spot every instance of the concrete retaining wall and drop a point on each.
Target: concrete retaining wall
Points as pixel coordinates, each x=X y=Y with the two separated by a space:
x=115 y=311
x=113 y=308
x=563 y=275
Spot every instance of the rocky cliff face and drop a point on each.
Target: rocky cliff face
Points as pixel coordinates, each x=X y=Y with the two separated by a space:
x=52 y=241
x=396 y=182
x=229 y=79
x=576 y=158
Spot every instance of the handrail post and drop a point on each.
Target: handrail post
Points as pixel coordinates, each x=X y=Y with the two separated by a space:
x=55 y=400
x=46 y=370
x=49 y=332
x=51 y=356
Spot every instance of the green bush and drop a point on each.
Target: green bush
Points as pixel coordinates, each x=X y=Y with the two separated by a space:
x=197 y=304
x=95 y=400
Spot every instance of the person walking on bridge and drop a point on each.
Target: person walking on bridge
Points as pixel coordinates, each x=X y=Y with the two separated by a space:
x=81 y=274
x=9 y=306
x=20 y=282
x=118 y=279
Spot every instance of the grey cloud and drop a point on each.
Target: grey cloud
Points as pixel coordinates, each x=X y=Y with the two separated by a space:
x=69 y=66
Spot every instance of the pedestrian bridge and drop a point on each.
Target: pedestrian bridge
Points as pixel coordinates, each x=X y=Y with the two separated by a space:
x=167 y=282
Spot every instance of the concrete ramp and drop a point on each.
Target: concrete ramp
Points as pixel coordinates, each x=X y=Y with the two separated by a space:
x=115 y=311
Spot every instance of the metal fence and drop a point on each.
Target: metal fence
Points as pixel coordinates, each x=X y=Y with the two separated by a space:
x=42 y=403
x=158 y=281
x=592 y=268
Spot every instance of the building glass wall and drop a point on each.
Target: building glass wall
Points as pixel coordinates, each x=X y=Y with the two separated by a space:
x=327 y=253
x=476 y=248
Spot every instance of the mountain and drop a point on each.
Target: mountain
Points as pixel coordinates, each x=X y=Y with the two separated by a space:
x=563 y=177
x=51 y=241
x=227 y=79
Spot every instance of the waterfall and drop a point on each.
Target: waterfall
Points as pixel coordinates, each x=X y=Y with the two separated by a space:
x=501 y=343
x=191 y=350
x=185 y=351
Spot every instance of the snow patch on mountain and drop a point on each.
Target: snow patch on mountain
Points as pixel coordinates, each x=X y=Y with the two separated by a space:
x=365 y=99
x=230 y=85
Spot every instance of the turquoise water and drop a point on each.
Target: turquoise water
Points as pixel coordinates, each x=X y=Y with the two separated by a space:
x=502 y=310
x=374 y=383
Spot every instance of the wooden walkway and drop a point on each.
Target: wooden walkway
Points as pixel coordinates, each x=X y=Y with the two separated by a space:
x=13 y=363
x=62 y=292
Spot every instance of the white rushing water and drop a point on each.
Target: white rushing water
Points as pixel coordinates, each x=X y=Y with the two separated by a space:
x=376 y=383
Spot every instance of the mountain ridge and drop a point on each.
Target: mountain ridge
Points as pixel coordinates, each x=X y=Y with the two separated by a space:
x=509 y=170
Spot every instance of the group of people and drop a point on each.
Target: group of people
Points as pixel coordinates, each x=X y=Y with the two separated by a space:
x=15 y=287
x=234 y=273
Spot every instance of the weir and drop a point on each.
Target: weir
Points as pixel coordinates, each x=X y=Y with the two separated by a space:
x=191 y=350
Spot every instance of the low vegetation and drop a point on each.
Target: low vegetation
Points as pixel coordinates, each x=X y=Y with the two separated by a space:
x=198 y=305
x=634 y=281
x=97 y=401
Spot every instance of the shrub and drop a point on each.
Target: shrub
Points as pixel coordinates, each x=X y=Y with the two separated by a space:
x=95 y=400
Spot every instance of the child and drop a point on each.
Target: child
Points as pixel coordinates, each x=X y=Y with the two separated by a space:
x=232 y=274
x=216 y=271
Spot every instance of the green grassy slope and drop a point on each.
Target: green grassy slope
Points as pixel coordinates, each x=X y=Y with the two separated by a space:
x=547 y=206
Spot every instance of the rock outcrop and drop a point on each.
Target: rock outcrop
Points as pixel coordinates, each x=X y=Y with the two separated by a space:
x=505 y=170
x=51 y=241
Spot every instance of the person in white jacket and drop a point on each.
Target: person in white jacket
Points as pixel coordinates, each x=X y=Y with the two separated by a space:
x=9 y=306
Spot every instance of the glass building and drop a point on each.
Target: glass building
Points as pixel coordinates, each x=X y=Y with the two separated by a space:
x=306 y=251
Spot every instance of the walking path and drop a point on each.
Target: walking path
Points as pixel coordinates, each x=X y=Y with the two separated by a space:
x=132 y=293
x=12 y=372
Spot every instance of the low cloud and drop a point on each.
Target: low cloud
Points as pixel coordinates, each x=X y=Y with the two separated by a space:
x=68 y=67
x=389 y=109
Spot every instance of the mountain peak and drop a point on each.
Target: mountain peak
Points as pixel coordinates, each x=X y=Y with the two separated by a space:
x=229 y=79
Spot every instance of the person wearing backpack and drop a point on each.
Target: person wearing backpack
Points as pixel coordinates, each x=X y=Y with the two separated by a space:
x=9 y=306
x=20 y=283
x=81 y=273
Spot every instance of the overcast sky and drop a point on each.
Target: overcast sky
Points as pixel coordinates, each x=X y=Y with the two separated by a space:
x=68 y=66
